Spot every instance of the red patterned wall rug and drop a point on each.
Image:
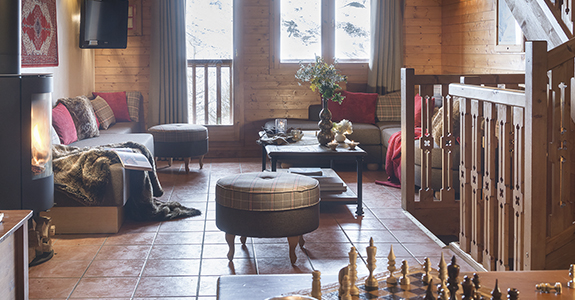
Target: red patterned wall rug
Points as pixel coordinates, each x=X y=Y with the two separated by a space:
x=39 y=33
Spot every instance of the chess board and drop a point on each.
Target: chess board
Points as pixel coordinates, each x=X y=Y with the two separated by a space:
x=415 y=290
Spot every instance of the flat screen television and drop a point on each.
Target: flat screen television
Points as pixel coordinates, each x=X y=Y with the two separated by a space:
x=104 y=24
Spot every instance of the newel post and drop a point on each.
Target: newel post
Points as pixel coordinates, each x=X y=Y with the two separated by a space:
x=535 y=155
x=407 y=137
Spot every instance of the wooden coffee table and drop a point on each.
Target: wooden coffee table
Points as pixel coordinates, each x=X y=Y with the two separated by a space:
x=308 y=148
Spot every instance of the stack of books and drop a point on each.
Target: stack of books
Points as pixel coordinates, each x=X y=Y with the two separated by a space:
x=327 y=184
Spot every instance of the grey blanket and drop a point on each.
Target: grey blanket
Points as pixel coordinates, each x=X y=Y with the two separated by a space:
x=84 y=173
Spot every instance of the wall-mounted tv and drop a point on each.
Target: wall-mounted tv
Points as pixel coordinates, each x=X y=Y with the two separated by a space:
x=104 y=24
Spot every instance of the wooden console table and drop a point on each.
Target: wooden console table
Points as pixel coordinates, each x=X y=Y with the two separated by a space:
x=14 y=254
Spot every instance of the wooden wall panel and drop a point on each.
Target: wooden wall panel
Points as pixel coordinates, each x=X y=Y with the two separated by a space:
x=422 y=36
x=468 y=40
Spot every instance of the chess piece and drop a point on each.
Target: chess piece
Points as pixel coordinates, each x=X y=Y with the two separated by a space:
x=426 y=278
x=316 y=284
x=391 y=267
x=442 y=294
x=512 y=294
x=477 y=285
x=370 y=281
x=452 y=279
x=468 y=288
x=547 y=288
x=442 y=269
x=571 y=283
x=496 y=293
x=404 y=280
x=429 y=292
x=352 y=272
x=342 y=273
x=345 y=284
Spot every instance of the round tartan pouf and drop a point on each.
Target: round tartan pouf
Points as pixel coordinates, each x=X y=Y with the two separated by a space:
x=180 y=140
x=267 y=205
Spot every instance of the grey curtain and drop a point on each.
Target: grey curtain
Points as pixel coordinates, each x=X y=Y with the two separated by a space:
x=168 y=101
x=386 y=46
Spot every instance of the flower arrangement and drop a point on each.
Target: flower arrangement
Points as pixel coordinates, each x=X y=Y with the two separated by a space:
x=323 y=78
x=343 y=127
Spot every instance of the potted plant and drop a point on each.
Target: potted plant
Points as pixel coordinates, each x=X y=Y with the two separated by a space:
x=325 y=79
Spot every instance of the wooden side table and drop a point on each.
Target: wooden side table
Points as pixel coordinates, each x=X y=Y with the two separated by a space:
x=14 y=254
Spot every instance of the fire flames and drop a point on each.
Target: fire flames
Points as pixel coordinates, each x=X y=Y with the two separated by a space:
x=41 y=152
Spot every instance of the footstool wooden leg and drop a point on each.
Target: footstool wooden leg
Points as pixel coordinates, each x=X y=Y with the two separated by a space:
x=243 y=240
x=292 y=241
x=201 y=162
x=187 y=163
x=170 y=162
x=230 y=239
x=301 y=241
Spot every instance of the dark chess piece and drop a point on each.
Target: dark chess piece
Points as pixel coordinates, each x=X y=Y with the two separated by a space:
x=429 y=293
x=476 y=282
x=452 y=278
x=496 y=293
x=467 y=288
x=512 y=294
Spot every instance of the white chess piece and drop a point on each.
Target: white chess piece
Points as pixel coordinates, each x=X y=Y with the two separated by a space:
x=316 y=285
x=352 y=272
x=391 y=267
x=371 y=281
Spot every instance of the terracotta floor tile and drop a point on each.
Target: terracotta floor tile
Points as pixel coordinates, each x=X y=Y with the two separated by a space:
x=411 y=236
x=124 y=252
x=211 y=226
x=400 y=224
x=187 y=237
x=208 y=286
x=221 y=250
x=136 y=227
x=420 y=249
x=56 y=288
x=171 y=267
x=275 y=250
x=326 y=236
x=175 y=251
x=283 y=265
x=80 y=240
x=167 y=287
x=59 y=268
x=216 y=237
x=186 y=224
x=363 y=224
x=383 y=249
x=221 y=266
x=387 y=213
x=327 y=250
x=332 y=266
x=363 y=236
x=115 y=268
x=139 y=238
x=85 y=252
x=105 y=287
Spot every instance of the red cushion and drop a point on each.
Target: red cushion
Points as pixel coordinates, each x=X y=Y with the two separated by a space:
x=118 y=104
x=64 y=124
x=417 y=109
x=356 y=107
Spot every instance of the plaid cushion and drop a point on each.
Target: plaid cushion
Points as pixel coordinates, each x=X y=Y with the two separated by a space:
x=178 y=132
x=103 y=112
x=389 y=107
x=133 y=100
x=267 y=191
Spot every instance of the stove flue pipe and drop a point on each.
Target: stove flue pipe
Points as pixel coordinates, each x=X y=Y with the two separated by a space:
x=10 y=36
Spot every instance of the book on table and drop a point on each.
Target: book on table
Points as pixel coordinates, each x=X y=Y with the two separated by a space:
x=307 y=171
x=331 y=184
x=132 y=160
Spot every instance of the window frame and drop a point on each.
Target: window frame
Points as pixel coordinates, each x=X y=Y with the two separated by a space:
x=327 y=39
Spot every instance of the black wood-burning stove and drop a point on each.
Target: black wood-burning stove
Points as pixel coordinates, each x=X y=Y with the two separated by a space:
x=26 y=177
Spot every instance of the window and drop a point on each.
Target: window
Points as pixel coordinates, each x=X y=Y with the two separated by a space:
x=509 y=35
x=209 y=34
x=330 y=28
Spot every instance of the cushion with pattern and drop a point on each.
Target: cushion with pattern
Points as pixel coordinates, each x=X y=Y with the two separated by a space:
x=133 y=100
x=103 y=112
x=118 y=103
x=388 y=107
x=83 y=115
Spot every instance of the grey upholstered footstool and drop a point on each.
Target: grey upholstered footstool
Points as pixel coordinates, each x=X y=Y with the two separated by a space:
x=180 y=140
x=267 y=205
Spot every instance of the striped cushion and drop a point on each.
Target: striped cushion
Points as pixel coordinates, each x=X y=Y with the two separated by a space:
x=389 y=107
x=179 y=132
x=103 y=112
x=267 y=191
x=133 y=100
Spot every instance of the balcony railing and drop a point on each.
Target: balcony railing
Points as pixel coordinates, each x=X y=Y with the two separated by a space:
x=210 y=92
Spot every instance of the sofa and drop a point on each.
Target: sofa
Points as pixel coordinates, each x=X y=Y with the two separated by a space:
x=372 y=132
x=71 y=216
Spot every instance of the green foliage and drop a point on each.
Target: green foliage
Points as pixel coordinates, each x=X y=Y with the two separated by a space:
x=323 y=78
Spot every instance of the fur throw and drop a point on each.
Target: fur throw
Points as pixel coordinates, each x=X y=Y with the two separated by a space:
x=82 y=113
x=84 y=173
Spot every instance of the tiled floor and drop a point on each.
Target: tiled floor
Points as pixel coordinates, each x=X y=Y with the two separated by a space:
x=182 y=259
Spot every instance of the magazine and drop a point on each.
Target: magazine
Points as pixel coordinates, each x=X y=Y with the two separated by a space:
x=307 y=171
x=132 y=160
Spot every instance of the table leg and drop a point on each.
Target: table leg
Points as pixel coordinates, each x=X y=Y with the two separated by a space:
x=274 y=164
x=264 y=154
x=359 y=211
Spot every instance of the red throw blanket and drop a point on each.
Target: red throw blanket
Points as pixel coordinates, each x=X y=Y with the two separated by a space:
x=393 y=158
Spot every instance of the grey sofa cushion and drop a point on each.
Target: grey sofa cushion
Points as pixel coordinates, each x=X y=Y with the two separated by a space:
x=387 y=130
x=366 y=134
x=145 y=139
x=122 y=127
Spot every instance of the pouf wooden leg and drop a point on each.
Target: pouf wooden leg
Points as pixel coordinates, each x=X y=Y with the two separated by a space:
x=243 y=240
x=293 y=241
x=201 y=162
x=230 y=239
x=301 y=241
x=187 y=163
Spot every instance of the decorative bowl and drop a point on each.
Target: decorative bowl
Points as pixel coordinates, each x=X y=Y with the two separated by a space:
x=352 y=145
x=332 y=145
x=293 y=297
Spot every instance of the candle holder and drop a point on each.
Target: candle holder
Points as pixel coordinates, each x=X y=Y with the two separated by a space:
x=281 y=125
